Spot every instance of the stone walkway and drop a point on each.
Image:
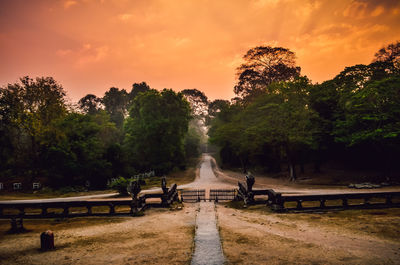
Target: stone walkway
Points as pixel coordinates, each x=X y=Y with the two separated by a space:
x=207 y=242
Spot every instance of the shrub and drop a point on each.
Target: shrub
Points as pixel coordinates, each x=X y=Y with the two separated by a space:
x=120 y=185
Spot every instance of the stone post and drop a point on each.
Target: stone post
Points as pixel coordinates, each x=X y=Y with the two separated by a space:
x=47 y=240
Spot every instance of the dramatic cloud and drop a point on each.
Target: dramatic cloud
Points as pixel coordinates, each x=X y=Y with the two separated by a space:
x=90 y=45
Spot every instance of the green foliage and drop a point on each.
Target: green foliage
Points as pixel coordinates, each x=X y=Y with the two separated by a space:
x=28 y=110
x=76 y=153
x=278 y=120
x=192 y=140
x=372 y=115
x=115 y=102
x=155 y=130
x=120 y=184
x=353 y=118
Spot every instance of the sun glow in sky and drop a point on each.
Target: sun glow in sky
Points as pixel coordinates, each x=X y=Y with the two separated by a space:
x=91 y=45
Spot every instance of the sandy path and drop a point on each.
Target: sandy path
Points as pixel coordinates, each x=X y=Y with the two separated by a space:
x=206 y=178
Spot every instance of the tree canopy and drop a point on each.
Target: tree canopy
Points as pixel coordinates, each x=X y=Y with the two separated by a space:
x=262 y=66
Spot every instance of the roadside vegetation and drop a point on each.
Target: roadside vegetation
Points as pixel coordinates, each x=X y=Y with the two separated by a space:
x=70 y=148
x=281 y=122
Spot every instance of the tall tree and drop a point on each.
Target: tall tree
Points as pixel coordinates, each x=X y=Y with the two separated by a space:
x=115 y=102
x=155 y=130
x=262 y=66
x=90 y=104
x=28 y=110
x=138 y=88
x=198 y=102
x=390 y=53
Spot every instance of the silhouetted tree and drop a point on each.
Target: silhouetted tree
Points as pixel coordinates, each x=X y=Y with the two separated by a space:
x=115 y=102
x=90 y=104
x=262 y=66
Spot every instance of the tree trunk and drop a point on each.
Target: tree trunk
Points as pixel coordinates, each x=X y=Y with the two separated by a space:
x=317 y=167
x=292 y=171
x=302 y=168
x=243 y=165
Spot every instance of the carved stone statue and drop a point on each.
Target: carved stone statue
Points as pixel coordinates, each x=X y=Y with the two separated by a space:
x=134 y=189
x=250 y=182
x=164 y=185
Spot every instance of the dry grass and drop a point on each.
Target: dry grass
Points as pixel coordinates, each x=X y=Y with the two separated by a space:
x=383 y=223
x=256 y=235
x=161 y=236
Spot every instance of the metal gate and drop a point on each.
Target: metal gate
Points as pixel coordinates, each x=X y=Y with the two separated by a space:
x=222 y=195
x=214 y=195
x=193 y=195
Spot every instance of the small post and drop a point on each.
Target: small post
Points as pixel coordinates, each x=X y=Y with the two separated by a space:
x=47 y=240
x=44 y=211
x=112 y=209
x=345 y=203
x=17 y=225
x=299 y=206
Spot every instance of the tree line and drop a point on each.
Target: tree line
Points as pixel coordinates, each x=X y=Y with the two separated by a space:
x=44 y=137
x=280 y=121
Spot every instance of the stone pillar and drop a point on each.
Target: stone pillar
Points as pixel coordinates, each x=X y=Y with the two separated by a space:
x=47 y=240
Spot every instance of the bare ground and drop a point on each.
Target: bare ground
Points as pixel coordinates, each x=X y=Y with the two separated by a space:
x=257 y=236
x=249 y=236
x=161 y=236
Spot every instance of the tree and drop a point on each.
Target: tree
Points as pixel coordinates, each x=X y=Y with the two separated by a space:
x=198 y=102
x=372 y=120
x=77 y=150
x=138 y=88
x=155 y=130
x=278 y=122
x=214 y=108
x=28 y=110
x=264 y=65
x=389 y=54
x=115 y=102
x=90 y=104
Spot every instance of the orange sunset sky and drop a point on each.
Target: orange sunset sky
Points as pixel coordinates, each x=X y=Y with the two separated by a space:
x=90 y=45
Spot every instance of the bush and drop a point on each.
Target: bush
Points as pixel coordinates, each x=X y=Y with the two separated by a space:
x=120 y=184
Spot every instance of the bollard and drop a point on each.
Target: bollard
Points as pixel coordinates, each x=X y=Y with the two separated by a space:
x=17 y=226
x=47 y=240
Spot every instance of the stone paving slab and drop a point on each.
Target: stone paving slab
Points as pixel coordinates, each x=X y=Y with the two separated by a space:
x=207 y=242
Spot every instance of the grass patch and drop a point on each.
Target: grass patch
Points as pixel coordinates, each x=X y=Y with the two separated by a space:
x=55 y=224
x=383 y=223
